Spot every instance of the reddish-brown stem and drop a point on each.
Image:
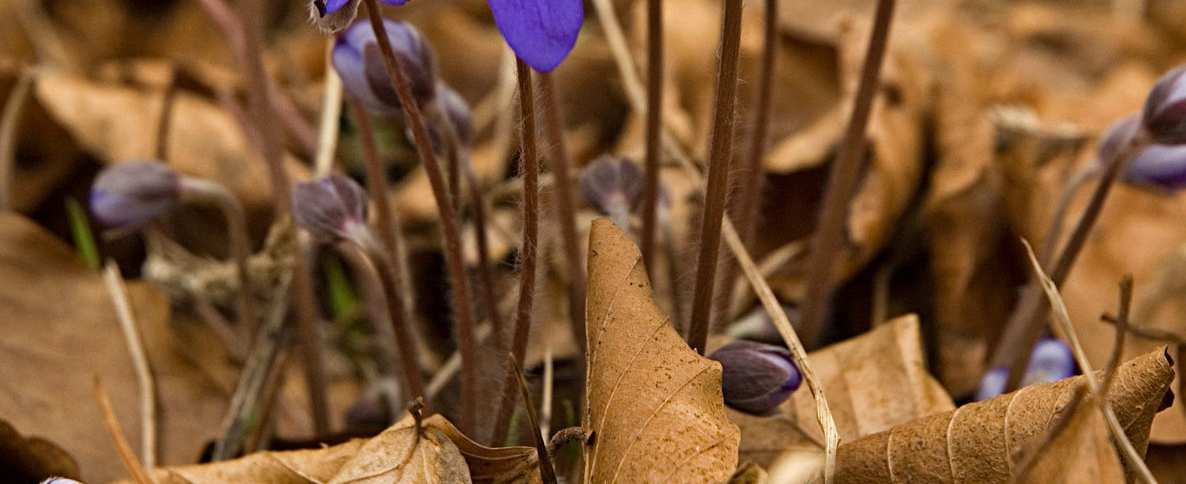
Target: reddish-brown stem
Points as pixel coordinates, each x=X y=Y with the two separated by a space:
x=485 y=270
x=720 y=150
x=388 y=256
x=259 y=97
x=654 y=123
x=1025 y=324
x=546 y=471
x=527 y=253
x=463 y=312
x=165 y=118
x=562 y=190
x=749 y=201
x=828 y=244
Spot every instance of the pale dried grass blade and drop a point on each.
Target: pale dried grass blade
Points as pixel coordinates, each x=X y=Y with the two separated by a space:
x=331 y=111
x=127 y=323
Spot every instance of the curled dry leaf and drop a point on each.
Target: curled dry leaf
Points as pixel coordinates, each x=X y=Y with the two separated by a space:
x=60 y=330
x=873 y=382
x=441 y=454
x=978 y=442
x=654 y=405
x=1083 y=452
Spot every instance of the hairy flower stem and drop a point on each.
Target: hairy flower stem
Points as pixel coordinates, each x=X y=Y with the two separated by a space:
x=387 y=254
x=828 y=244
x=654 y=123
x=720 y=153
x=553 y=123
x=259 y=102
x=1025 y=324
x=527 y=254
x=205 y=191
x=749 y=200
x=374 y=293
x=462 y=311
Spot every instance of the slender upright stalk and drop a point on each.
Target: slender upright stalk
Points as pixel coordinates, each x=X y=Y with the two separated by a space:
x=828 y=244
x=206 y=191
x=527 y=254
x=372 y=263
x=165 y=118
x=259 y=101
x=9 y=122
x=720 y=153
x=749 y=200
x=654 y=147
x=1025 y=324
x=463 y=312
x=553 y=123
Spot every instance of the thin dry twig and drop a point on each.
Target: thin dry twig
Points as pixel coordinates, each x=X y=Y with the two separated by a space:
x=331 y=110
x=458 y=280
x=1063 y=319
x=828 y=244
x=827 y=423
x=10 y=122
x=117 y=434
x=716 y=189
x=164 y=121
x=127 y=324
x=547 y=473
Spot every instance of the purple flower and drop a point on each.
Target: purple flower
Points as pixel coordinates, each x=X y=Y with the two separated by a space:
x=613 y=186
x=756 y=377
x=330 y=208
x=359 y=62
x=1051 y=360
x=335 y=15
x=130 y=195
x=1164 y=115
x=1157 y=165
x=541 y=32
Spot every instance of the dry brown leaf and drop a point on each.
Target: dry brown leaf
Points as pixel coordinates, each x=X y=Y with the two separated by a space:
x=1083 y=452
x=441 y=454
x=60 y=330
x=30 y=459
x=118 y=123
x=873 y=382
x=978 y=441
x=654 y=405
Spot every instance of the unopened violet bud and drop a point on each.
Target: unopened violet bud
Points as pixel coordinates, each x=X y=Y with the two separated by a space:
x=359 y=62
x=1051 y=360
x=756 y=377
x=128 y=196
x=331 y=208
x=1164 y=115
x=1157 y=165
x=541 y=32
x=613 y=186
x=334 y=15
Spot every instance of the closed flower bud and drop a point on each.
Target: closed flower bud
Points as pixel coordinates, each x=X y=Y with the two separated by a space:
x=334 y=15
x=1165 y=109
x=613 y=186
x=756 y=377
x=130 y=195
x=359 y=62
x=1157 y=165
x=1051 y=360
x=331 y=208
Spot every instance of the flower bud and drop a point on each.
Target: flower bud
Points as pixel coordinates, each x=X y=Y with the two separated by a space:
x=613 y=186
x=359 y=62
x=331 y=208
x=1157 y=165
x=756 y=377
x=1051 y=360
x=1165 y=109
x=334 y=15
x=130 y=195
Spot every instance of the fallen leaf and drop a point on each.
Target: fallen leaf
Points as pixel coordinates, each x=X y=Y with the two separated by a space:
x=27 y=459
x=873 y=382
x=441 y=454
x=977 y=442
x=654 y=405
x=61 y=330
x=1083 y=452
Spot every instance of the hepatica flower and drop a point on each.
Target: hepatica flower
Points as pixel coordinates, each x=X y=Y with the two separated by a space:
x=541 y=32
x=1051 y=360
x=130 y=195
x=359 y=62
x=1158 y=166
x=331 y=208
x=756 y=378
